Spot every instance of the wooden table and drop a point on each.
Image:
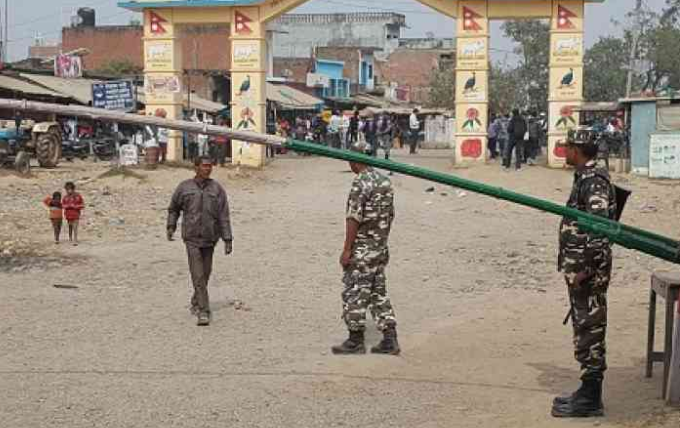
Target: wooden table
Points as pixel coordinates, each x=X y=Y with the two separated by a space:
x=667 y=286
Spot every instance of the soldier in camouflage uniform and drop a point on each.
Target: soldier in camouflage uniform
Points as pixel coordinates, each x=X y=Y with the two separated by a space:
x=586 y=261
x=369 y=215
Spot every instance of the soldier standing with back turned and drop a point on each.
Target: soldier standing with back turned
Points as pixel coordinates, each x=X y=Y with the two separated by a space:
x=586 y=261
x=369 y=215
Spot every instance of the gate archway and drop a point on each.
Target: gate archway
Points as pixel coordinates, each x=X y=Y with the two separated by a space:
x=248 y=18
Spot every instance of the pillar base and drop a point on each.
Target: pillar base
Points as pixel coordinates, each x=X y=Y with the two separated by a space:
x=471 y=149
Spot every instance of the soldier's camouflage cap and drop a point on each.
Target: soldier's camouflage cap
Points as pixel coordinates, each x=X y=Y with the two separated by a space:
x=360 y=147
x=580 y=137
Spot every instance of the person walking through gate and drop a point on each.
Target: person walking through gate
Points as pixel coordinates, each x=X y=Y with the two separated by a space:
x=533 y=148
x=385 y=134
x=586 y=261
x=493 y=137
x=369 y=216
x=516 y=130
x=204 y=207
x=414 y=131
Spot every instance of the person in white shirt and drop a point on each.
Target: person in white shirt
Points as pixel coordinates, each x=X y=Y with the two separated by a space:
x=163 y=136
x=414 y=131
x=334 y=128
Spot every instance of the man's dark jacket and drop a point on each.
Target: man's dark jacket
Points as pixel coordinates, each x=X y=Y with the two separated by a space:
x=205 y=213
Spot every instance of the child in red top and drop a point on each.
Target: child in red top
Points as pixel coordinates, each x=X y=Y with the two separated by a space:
x=54 y=206
x=73 y=204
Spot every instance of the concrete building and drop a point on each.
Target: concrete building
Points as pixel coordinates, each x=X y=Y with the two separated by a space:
x=427 y=43
x=44 y=51
x=332 y=72
x=295 y=35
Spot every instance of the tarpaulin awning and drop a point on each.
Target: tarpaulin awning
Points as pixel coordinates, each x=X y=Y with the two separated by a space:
x=288 y=98
x=17 y=85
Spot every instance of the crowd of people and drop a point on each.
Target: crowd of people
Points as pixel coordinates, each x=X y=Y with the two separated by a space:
x=378 y=130
x=521 y=135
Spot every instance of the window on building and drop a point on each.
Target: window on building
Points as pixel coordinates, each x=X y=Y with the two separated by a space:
x=338 y=88
x=370 y=71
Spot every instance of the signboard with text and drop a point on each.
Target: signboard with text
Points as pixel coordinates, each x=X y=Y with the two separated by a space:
x=115 y=95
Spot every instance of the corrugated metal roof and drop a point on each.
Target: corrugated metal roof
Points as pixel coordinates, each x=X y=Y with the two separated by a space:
x=78 y=89
x=17 y=85
x=197 y=102
x=291 y=98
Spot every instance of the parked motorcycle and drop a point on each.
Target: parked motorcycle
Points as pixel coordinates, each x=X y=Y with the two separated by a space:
x=102 y=147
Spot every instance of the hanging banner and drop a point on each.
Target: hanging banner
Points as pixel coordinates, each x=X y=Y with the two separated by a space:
x=68 y=66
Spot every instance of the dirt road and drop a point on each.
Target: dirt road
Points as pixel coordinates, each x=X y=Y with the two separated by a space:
x=473 y=280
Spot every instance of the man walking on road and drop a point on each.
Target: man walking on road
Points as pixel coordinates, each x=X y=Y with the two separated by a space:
x=369 y=215
x=204 y=207
x=586 y=261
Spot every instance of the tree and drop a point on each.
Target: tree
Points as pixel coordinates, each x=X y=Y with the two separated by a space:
x=671 y=14
x=606 y=69
x=505 y=88
x=443 y=87
x=657 y=50
x=533 y=38
x=663 y=55
x=119 y=68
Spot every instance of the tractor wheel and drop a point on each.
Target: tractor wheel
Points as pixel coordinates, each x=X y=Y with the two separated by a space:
x=22 y=163
x=48 y=149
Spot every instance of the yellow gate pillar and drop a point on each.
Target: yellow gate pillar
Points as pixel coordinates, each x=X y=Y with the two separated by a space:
x=248 y=82
x=472 y=81
x=163 y=72
x=566 y=75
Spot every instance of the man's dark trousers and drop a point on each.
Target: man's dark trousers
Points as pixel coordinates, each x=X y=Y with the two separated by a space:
x=200 y=266
x=518 y=146
x=492 y=147
x=413 y=143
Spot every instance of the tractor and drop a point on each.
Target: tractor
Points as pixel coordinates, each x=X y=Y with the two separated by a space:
x=40 y=140
x=12 y=155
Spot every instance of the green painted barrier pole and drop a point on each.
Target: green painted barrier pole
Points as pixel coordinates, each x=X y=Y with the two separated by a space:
x=626 y=236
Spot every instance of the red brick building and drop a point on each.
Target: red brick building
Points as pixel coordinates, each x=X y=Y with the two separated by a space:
x=411 y=70
x=205 y=52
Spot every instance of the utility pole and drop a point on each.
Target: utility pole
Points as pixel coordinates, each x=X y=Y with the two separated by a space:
x=195 y=66
x=637 y=33
x=5 y=43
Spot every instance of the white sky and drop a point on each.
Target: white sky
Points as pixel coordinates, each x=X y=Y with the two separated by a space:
x=28 y=18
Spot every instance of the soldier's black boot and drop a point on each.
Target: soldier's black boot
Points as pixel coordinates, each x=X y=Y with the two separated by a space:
x=567 y=398
x=584 y=403
x=353 y=345
x=389 y=345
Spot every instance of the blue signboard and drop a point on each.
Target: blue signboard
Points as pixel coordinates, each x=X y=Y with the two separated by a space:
x=115 y=95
